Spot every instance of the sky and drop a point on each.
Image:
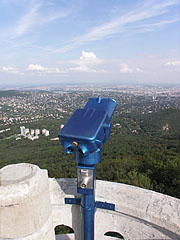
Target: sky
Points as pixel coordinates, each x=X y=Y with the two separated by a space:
x=104 y=42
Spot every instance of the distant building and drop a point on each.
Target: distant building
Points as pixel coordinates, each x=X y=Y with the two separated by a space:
x=134 y=131
x=34 y=138
x=55 y=139
x=5 y=130
x=43 y=131
x=32 y=132
x=46 y=133
x=26 y=131
x=37 y=132
x=166 y=127
x=22 y=129
x=117 y=125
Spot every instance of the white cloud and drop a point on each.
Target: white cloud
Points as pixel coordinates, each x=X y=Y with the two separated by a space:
x=88 y=55
x=39 y=68
x=11 y=70
x=126 y=69
x=149 y=10
x=148 y=27
x=173 y=63
x=36 y=67
x=35 y=17
x=138 y=70
x=26 y=21
x=87 y=63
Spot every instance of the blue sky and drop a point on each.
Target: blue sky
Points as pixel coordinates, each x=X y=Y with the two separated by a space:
x=88 y=42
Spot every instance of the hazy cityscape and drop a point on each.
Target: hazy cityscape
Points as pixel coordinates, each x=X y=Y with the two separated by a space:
x=30 y=106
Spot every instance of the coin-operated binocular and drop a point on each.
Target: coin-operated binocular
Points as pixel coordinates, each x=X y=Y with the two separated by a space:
x=84 y=134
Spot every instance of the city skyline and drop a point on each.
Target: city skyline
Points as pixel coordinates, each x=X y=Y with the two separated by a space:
x=89 y=42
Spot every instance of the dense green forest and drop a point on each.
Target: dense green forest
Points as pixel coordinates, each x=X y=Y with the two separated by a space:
x=143 y=150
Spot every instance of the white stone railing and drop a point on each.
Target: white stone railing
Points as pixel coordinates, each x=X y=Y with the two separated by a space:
x=31 y=206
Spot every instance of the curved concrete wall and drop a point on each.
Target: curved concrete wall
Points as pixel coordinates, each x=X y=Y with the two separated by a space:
x=31 y=206
x=25 y=208
x=139 y=214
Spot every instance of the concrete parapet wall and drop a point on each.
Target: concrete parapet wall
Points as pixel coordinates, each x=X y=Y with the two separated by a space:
x=148 y=213
x=154 y=207
x=31 y=206
x=139 y=214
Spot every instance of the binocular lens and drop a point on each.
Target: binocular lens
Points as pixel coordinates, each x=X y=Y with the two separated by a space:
x=80 y=151
x=70 y=149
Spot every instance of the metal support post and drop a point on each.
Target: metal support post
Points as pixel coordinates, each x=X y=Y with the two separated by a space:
x=88 y=209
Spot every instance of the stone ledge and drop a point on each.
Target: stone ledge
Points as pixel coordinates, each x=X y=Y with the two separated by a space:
x=140 y=213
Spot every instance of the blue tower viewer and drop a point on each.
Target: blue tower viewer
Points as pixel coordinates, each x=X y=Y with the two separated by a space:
x=84 y=134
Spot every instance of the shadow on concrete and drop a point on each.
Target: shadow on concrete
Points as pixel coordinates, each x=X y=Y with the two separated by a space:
x=169 y=234
x=69 y=187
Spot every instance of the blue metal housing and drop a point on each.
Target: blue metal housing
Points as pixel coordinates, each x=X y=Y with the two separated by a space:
x=89 y=128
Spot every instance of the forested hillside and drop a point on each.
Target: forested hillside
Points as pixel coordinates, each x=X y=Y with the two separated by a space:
x=143 y=150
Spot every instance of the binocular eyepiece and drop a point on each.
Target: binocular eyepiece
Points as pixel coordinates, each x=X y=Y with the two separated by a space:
x=88 y=129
